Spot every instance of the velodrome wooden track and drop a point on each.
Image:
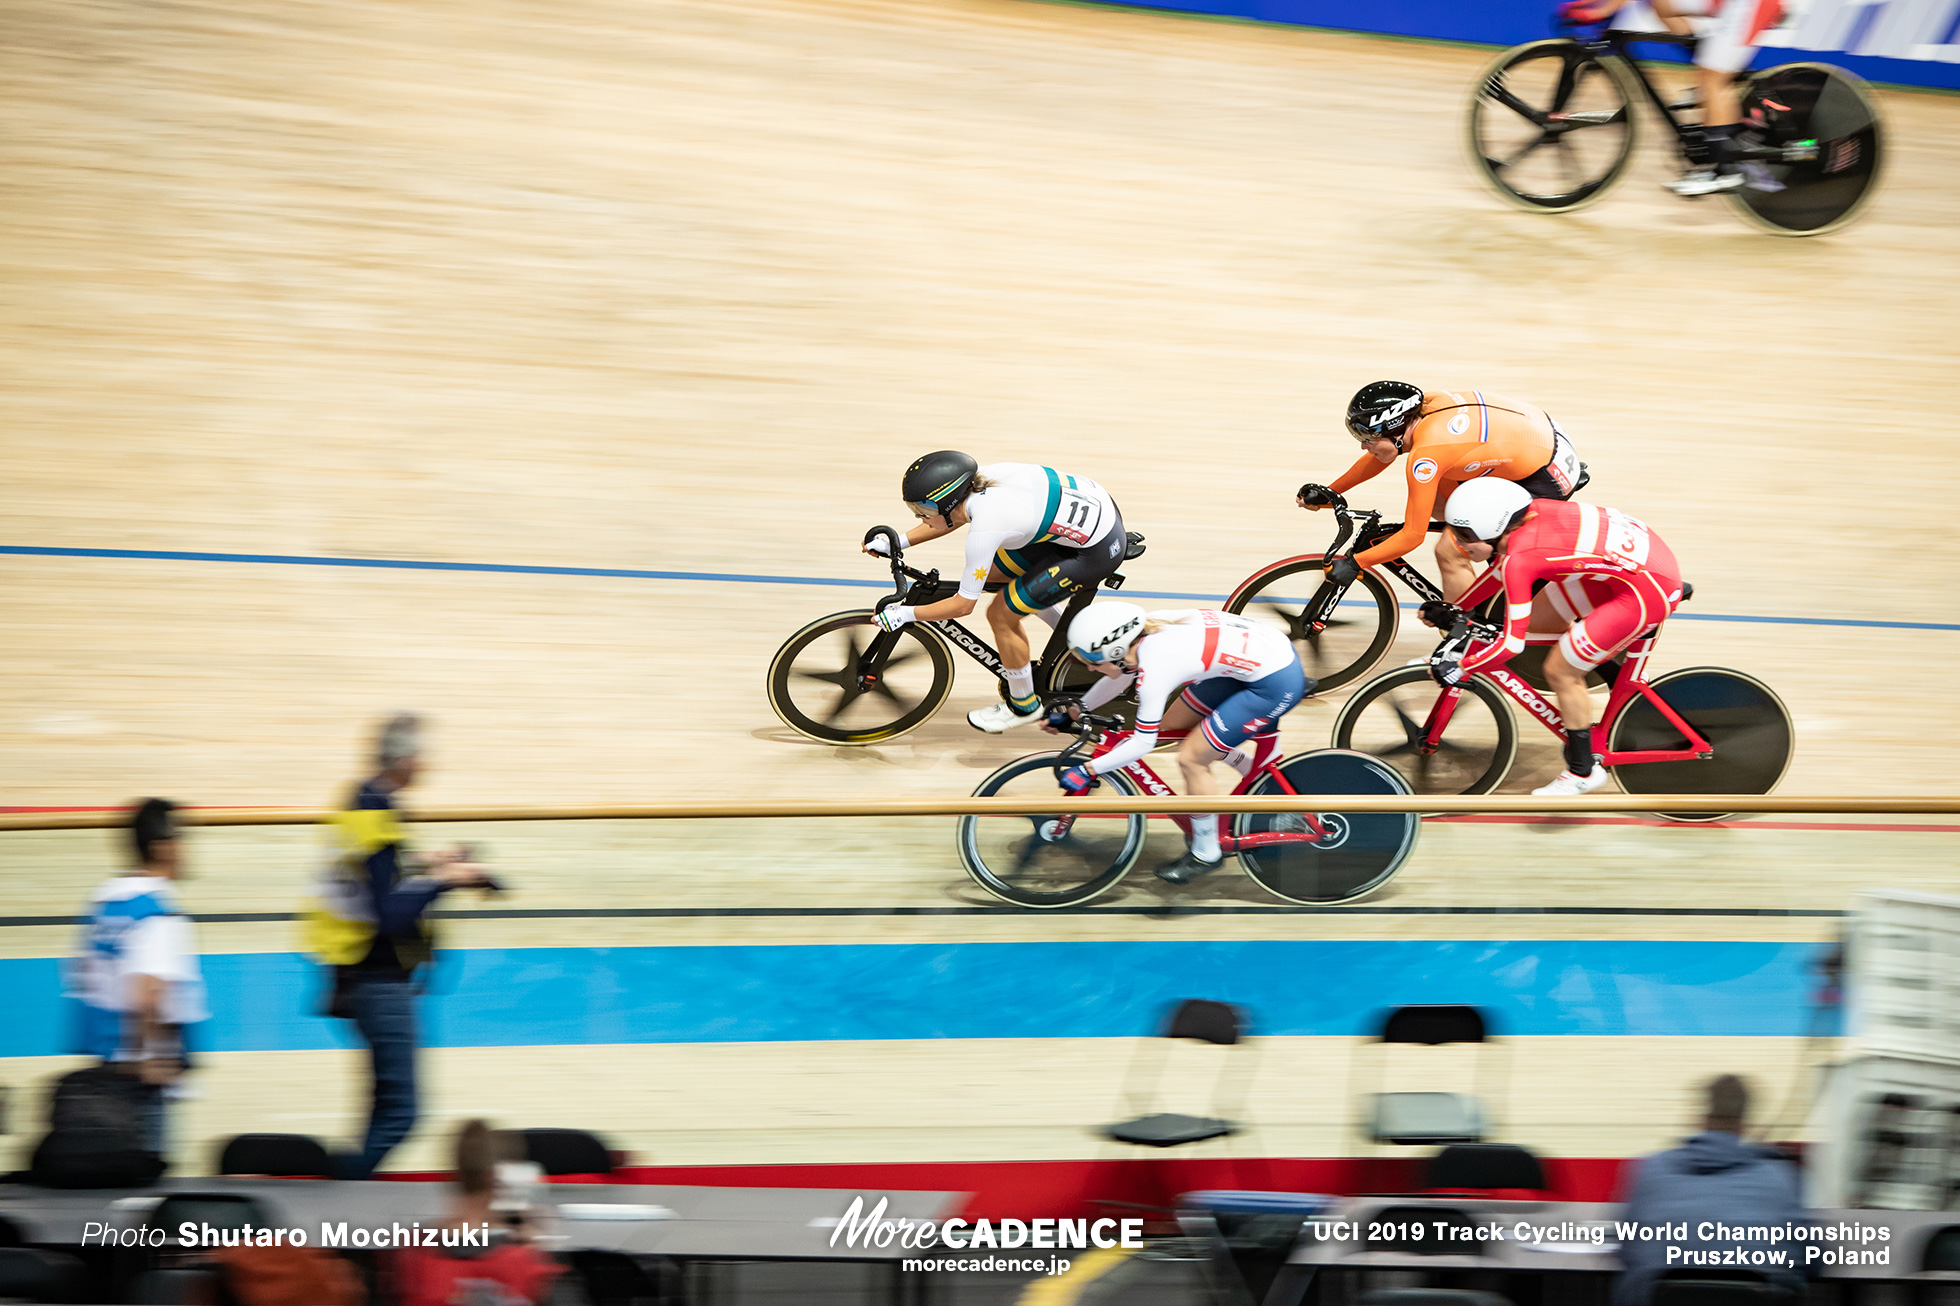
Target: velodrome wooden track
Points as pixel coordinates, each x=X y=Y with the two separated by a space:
x=681 y=287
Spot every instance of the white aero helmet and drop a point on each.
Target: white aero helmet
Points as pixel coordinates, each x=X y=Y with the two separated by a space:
x=1103 y=632
x=1483 y=509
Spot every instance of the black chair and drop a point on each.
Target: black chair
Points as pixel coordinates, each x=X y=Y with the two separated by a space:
x=177 y=1287
x=1434 y=1026
x=283 y=1156
x=1477 y=1166
x=1218 y=1023
x=30 y=1275
x=1412 y=1229
x=565 y=1151
x=616 y=1279
x=219 y=1210
x=1720 y=1288
x=1942 y=1250
x=1426 y=1118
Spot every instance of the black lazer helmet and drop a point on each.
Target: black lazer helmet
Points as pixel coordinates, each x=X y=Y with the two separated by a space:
x=1383 y=408
x=939 y=482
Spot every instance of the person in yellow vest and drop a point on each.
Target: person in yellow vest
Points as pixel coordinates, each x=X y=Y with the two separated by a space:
x=368 y=925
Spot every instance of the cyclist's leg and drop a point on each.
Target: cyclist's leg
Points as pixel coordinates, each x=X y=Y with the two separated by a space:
x=1617 y=612
x=1452 y=563
x=1240 y=712
x=1004 y=616
x=1048 y=576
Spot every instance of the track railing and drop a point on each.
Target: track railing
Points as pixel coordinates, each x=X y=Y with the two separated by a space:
x=1430 y=805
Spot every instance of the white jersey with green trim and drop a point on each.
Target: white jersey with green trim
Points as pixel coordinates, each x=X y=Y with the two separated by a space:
x=1027 y=504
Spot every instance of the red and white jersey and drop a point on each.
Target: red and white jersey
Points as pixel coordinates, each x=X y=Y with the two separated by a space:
x=1582 y=546
x=1194 y=644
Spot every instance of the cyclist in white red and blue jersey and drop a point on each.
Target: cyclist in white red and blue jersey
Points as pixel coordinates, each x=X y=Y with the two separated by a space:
x=1238 y=677
x=1035 y=537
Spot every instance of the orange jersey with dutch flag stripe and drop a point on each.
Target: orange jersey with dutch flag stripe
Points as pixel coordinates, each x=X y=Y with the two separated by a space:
x=1459 y=436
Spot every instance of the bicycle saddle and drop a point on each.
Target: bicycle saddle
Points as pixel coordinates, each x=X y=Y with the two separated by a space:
x=1134 y=549
x=1687 y=591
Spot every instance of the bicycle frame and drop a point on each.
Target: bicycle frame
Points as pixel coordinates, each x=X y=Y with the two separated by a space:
x=1325 y=599
x=1628 y=685
x=1687 y=136
x=1151 y=783
x=927 y=587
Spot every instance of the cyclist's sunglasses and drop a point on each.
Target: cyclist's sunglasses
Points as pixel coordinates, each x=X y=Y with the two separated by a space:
x=923 y=510
x=1464 y=535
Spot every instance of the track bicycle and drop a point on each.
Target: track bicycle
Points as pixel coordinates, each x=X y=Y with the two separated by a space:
x=1341 y=632
x=834 y=680
x=1303 y=857
x=1700 y=730
x=1551 y=127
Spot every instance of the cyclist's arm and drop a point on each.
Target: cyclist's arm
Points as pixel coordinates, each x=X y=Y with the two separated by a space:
x=925 y=531
x=1105 y=689
x=980 y=546
x=1365 y=467
x=1516 y=578
x=1422 y=502
x=1153 y=696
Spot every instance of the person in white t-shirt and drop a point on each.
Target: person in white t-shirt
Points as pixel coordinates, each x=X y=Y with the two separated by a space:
x=1238 y=677
x=136 y=971
x=1035 y=537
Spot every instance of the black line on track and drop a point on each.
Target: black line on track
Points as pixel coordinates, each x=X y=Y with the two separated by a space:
x=1162 y=909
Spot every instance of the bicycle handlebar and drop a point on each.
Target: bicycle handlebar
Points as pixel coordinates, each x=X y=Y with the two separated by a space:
x=900 y=572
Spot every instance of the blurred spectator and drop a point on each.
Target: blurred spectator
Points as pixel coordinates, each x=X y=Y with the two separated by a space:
x=1713 y=1176
x=368 y=924
x=136 y=971
x=506 y=1270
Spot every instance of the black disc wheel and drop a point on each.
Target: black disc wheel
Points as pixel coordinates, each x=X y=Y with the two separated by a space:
x=1745 y=723
x=1811 y=146
x=1389 y=718
x=1357 y=635
x=1356 y=852
x=816 y=688
x=1048 y=861
x=1550 y=127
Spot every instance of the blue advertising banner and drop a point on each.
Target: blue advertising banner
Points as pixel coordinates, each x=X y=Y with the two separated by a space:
x=1903 y=42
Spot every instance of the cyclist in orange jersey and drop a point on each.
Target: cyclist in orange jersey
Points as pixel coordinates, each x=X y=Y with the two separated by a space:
x=1450 y=436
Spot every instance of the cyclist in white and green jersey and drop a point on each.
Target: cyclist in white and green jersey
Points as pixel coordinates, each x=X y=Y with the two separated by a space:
x=1035 y=538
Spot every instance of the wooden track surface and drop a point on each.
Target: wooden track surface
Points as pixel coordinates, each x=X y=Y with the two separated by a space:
x=683 y=288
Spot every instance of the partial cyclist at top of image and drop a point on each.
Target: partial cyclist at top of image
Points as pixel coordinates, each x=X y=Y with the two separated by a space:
x=1797 y=148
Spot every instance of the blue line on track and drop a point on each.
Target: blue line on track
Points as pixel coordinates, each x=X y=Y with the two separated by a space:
x=630 y=573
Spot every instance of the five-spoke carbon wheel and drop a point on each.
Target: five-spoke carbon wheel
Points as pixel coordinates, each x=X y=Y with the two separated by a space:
x=1357 y=635
x=1048 y=861
x=1550 y=127
x=814 y=684
x=1389 y=718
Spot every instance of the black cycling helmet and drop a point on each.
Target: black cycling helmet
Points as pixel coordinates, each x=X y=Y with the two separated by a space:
x=939 y=482
x=1383 y=409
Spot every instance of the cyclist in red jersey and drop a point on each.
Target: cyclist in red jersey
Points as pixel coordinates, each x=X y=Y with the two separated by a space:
x=1594 y=576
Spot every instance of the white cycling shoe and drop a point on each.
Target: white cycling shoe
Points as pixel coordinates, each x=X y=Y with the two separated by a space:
x=1704 y=181
x=999 y=718
x=1569 y=785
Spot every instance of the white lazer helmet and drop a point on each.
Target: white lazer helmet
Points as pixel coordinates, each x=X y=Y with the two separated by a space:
x=1103 y=632
x=1481 y=511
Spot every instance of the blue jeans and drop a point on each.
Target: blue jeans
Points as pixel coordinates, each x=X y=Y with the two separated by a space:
x=384 y=1013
